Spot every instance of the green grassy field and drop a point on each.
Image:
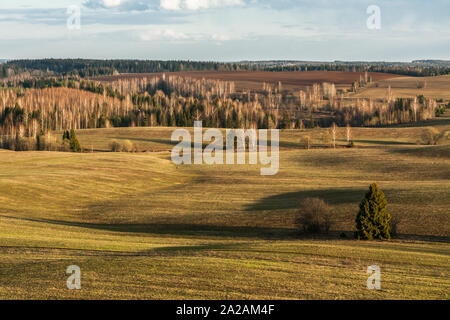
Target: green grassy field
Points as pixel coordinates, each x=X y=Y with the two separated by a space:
x=141 y=227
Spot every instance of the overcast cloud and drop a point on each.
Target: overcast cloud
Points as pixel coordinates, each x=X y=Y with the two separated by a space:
x=226 y=30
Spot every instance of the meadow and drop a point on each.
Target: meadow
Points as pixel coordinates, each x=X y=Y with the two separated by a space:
x=409 y=87
x=140 y=227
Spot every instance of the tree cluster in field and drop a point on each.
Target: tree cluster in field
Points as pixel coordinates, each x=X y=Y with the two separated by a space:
x=373 y=221
x=122 y=146
x=432 y=136
x=369 y=112
x=70 y=141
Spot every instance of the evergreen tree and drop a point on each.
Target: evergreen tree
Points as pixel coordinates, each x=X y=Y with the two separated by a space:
x=312 y=125
x=74 y=143
x=66 y=135
x=286 y=121
x=373 y=221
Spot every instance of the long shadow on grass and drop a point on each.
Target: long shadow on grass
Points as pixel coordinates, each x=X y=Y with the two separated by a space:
x=170 y=143
x=177 y=229
x=441 y=121
x=291 y=200
x=167 y=142
x=428 y=152
x=387 y=143
x=186 y=230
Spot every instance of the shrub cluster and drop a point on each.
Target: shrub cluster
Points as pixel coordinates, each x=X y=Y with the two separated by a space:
x=122 y=146
x=432 y=136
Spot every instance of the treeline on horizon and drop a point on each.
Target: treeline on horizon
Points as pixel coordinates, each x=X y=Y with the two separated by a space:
x=92 y=68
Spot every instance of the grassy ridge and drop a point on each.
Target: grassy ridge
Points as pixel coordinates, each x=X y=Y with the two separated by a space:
x=141 y=227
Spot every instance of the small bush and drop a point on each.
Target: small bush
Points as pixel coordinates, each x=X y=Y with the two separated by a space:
x=305 y=142
x=121 y=146
x=421 y=85
x=430 y=136
x=115 y=146
x=327 y=139
x=314 y=216
x=127 y=146
x=395 y=222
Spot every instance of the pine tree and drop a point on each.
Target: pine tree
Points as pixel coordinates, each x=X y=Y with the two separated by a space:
x=74 y=143
x=373 y=221
x=311 y=123
x=66 y=135
x=286 y=121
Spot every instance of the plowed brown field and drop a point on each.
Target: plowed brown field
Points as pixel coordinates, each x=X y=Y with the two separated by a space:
x=246 y=80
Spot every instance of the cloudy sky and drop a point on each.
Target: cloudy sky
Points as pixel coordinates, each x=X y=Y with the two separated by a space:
x=225 y=30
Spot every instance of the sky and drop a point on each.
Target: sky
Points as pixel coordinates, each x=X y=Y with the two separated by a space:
x=226 y=30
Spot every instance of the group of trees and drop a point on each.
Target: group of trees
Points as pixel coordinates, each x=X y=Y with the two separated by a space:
x=359 y=112
x=369 y=112
x=171 y=85
x=71 y=141
x=31 y=113
x=373 y=221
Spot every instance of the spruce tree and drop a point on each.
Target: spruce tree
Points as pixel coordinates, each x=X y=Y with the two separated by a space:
x=373 y=221
x=74 y=144
x=312 y=125
x=66 y=135
x=286 y=121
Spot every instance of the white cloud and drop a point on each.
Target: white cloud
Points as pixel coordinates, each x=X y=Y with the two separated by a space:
x=103 y=3
x=111 y=3
x=171 y=4
x=163 y=35
x=173 y=35
x=198 y=4
x=220 y=37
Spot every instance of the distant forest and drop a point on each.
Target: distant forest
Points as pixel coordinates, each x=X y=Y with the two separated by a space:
x=91 y=68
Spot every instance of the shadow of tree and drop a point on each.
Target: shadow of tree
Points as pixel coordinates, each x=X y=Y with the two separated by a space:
x=291 y=200
x=439 y=151
x=383 y=142
x=177 y=229
x=186 y=230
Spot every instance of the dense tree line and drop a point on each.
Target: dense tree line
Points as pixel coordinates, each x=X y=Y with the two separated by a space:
x=8 y=70
x=89 y=68
x=420 y=68
x=407 y=70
